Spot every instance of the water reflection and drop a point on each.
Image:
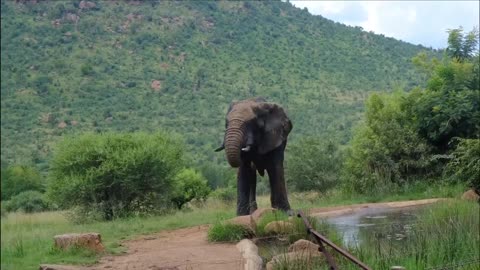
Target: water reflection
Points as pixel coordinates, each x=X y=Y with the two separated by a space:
x=394 y=225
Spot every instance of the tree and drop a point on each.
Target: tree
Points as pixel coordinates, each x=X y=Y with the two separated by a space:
x=19 y=178
x=313 y=164
x=461 y=46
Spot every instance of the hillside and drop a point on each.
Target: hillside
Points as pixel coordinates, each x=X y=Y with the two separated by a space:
x=69 y=67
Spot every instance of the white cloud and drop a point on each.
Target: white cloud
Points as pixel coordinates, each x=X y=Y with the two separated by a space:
x=418 y=22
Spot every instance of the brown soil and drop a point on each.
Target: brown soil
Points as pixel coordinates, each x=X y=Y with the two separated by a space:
x=174 y=250
x=189 y=249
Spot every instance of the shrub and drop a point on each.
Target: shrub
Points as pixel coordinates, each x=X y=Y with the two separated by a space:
x=120 y=174
x=17 y=179
x=226 y=195
x=28 y=201
x=313 y=164
x=465 y=165
x=189 y=185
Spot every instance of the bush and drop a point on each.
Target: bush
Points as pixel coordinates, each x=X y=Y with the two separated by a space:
x=313 y=164
x=27 y=201
x=465 y=165
x=227 y=195
x=120 y=174
x=189 y=185
x=17 y=179
x=218 y=176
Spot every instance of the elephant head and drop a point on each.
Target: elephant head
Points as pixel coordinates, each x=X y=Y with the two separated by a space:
x=254 y=125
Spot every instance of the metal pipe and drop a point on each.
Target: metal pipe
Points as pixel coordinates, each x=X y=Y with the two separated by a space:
x=320 y=238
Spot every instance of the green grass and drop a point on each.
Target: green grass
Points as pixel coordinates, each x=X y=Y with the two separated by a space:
x=27 y=239
x=220 y=232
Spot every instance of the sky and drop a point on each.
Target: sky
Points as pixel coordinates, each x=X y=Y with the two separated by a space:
x=417 y=22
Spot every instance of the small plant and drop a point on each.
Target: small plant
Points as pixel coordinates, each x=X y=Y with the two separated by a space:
x=227 y=233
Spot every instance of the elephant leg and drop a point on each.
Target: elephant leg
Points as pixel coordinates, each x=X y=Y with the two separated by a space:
x=244 y=179
x=278 y=189
x=253 y=192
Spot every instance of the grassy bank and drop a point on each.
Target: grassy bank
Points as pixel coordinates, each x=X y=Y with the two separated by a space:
x=27 y=239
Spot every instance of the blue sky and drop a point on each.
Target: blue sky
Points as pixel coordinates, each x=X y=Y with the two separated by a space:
x=417 y=22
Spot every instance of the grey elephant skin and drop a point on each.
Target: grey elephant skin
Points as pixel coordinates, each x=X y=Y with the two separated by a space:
x=255 y=138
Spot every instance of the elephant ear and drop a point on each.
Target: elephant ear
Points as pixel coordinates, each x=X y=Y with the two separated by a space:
x=274 y=125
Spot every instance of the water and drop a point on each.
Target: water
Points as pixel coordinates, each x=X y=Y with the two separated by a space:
x=393 y=225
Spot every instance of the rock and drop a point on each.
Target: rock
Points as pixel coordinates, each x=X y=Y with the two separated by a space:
x=72 y=17
x=47 y=118
x=471 y=195
x=303 y=245
x=86 y=4
x=245 y=221
x=73 y=122
x=88 y=240
x=156 y=85
x=279 y=227
x=249 y=251
x=62 y=125
x=56 y=267
x=261 y=212
x=304 y=258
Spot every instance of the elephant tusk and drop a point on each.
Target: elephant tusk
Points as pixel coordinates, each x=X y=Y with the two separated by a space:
x=220 y=148
x=246 y=149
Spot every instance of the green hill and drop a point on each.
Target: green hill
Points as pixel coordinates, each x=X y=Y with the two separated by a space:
x=69 y=67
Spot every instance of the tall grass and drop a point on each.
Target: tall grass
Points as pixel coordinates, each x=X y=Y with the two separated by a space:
x=27 y=239
x=447 y=236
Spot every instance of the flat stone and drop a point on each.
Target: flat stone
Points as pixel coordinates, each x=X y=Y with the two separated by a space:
x=249 y=251
x=91 y=241
x=57 y=267
x=245 y=221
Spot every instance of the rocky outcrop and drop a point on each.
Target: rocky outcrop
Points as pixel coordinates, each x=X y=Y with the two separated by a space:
x=471 y=195
x=249 y=251
x=86 y=5
x=91 y=241
x=279 y=227
x=156 y=85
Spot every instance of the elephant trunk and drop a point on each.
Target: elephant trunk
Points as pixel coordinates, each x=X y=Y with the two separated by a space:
x=234 y=138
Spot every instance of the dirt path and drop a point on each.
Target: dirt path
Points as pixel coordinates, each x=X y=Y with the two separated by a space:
x=188 y=249
x=175 y=250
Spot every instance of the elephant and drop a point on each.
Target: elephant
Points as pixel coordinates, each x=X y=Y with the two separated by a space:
x=255 y=138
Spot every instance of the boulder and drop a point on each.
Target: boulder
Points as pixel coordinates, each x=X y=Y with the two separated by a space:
x=244 y=221
x=471 y=195
x=249 y=251
x=156 y=85
x=305 y=259
x=62 y=125
x=86 y=4
x=261 y=212
x=91 y=241
x=279 y=227
x=303 y=245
